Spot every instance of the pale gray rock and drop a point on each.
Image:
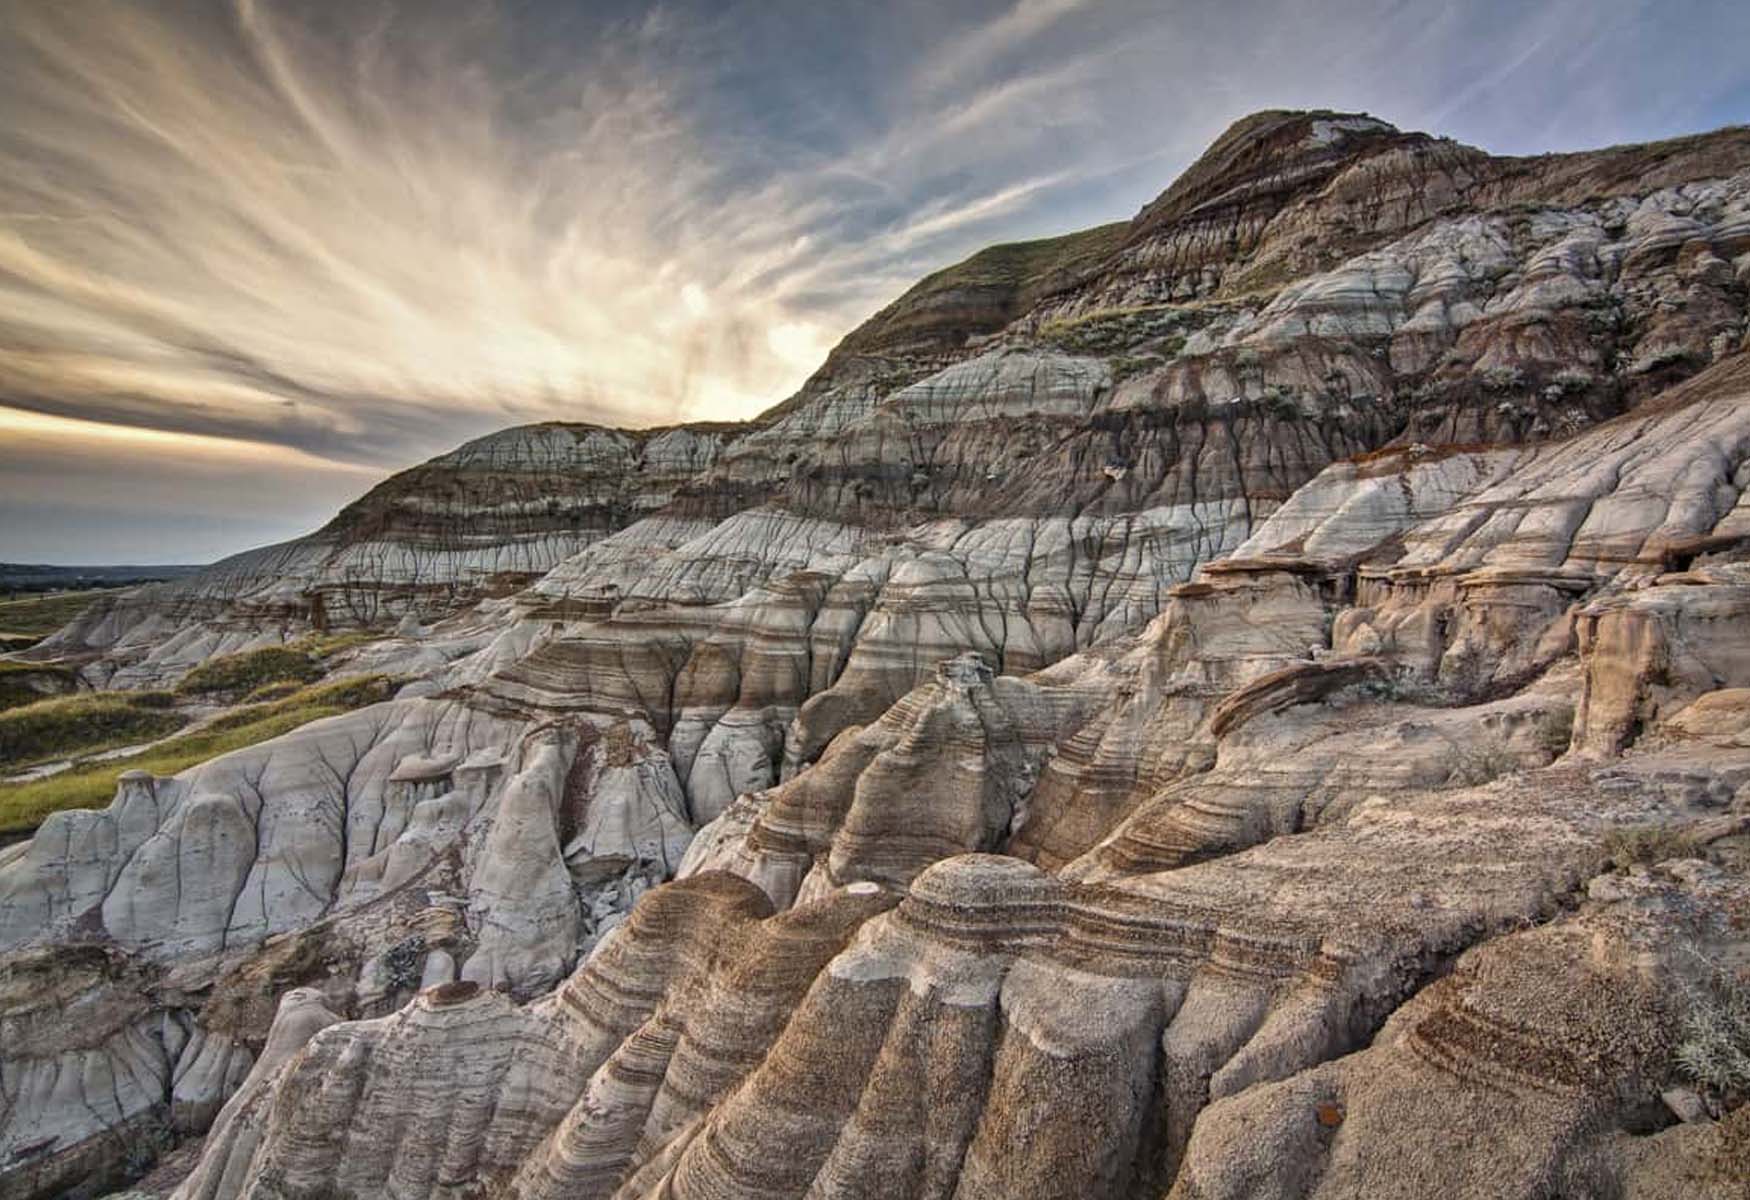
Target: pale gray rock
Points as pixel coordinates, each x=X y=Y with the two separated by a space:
x=521 y=897
x=89 y=1062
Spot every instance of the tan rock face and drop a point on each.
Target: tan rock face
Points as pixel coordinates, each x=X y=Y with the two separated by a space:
x=1550 y=1030
x=1651 y=650
x=1245 y=701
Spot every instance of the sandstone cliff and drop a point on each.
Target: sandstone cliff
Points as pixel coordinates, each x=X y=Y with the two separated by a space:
x=1245 y=701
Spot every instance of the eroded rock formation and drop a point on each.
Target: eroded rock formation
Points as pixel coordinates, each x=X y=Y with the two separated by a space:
x=1208 y=706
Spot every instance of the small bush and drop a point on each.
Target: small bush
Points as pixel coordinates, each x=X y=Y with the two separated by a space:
x=51 y=729
x=1628 y=846
x=1715 y=1050
x=1501 y=379
x=1603 y=319
x=1403 y=687
x=1475 y=765
x=402 y=963
x=1572 y=379
x=1281 y=403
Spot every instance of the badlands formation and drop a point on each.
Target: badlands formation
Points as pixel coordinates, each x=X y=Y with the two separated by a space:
x=1253 y=701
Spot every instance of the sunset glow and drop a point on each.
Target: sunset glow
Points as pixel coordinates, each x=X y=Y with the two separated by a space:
x=345 y=237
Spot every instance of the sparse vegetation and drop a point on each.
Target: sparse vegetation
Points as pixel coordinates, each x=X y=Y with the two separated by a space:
x=1627 y=846
x=30 y=683
x=1715 y=1050
x=402 y=963
x=1125 y=368
x=249 y=672
x=1477 y=763
x=26 y=620
x=1501 y=379
x=1029 y=264
x=95 y=721
x=1571 y=379
x=1401 y=687
x=1113 y=331
x=239 y=674
x=24 y=805
x=324 y=646
x=38 y=727
x=1603 y=319
x=278 y=690
x=1281 y=403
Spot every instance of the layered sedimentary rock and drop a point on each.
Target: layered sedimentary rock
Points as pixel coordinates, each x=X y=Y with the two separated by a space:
x=1316 y=286
x=973 y=742
x=1561 y=1034
x=88 y=1070
x=482 y=520
x=1070 y=1034
x=1156 y=708
x=1197 y=975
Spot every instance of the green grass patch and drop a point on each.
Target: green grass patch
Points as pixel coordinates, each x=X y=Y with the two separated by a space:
x=24 y=805
x=51 y=729
x=252 y=673
x=1031 y=264
x=30 y=683
x=327 y=645
x=1005 y=280
x=274 y=691
x=242 y=673
x=35 y=617
x=1156 y=329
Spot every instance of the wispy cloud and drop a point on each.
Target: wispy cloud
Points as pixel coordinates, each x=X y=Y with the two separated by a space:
x=975 y=51
x=234 y=216
x=354 y=234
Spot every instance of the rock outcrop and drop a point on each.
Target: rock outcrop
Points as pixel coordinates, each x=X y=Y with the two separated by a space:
x=1204 y=706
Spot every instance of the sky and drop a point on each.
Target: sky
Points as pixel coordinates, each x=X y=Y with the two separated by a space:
x=255 y=255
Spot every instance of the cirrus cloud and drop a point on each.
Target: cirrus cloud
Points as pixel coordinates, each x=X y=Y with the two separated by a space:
x=348 y=236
